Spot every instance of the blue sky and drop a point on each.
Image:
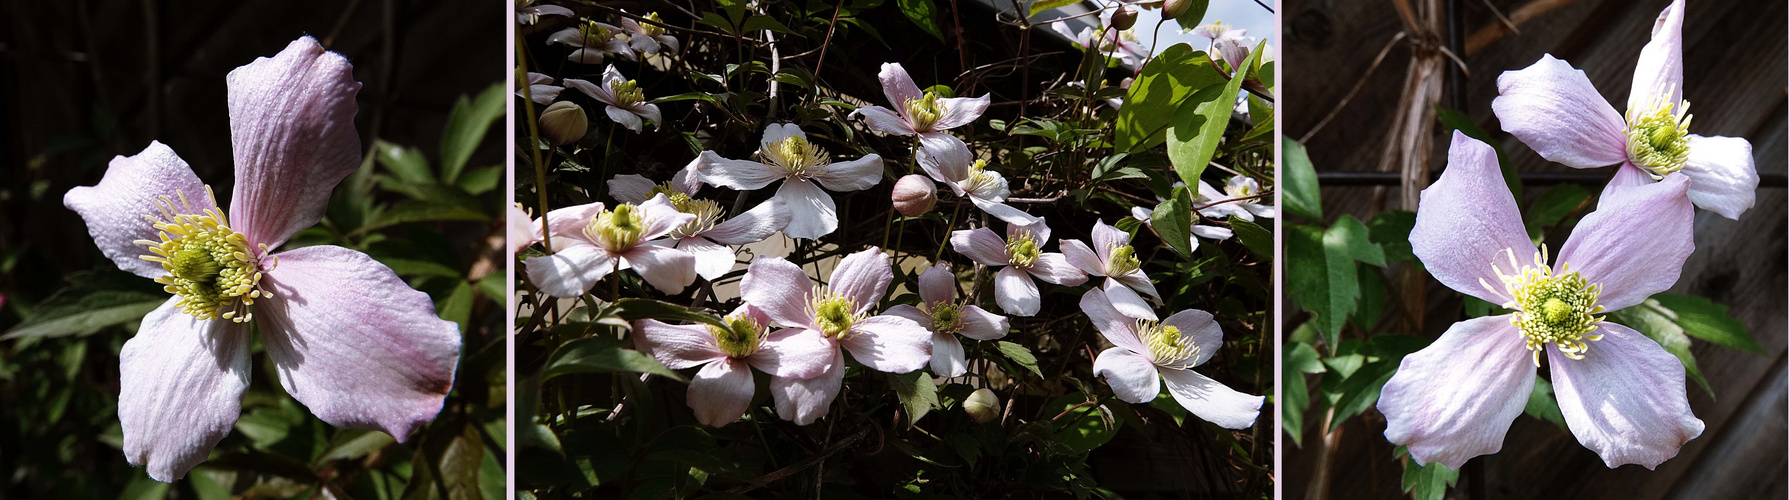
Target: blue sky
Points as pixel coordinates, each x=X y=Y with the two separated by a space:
x=1243 y=14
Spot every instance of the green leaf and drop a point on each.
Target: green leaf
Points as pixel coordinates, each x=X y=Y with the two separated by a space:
x=1542 y=404
x=466 y=128
x=602 y=354
x=408 y=164
x=916 y=392
x=1709 y=321
x=1344 y=243
x=1307 y=278
x=1196 y=12
x=1361 y=389
x=1173 y=77
x=1299 y=182
x=1553 y=205
x=481 y=180
x=420 y=211
x=1173 y=220
x=1199 y=125
x=142 y=487
x=91 y=301
x=1429 y=482
x=1297 y=359
x=457 y=307
x=1257 y=238
x=1021 y=355
x=352 y=444
x=924 y=13
x=764 y=23
x=1043 y=5
x=447 y=465
x=1084 y=428
x=1392 y=231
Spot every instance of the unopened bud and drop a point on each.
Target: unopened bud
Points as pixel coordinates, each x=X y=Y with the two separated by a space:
x=983 y=406
x=914 y=195
x=563 y=123
x=1174 y=8
x=1125 y=17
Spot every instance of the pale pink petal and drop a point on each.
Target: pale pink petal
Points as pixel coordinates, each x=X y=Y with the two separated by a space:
x=1137 y=280
x=1053 y=268
x=585 y=56
x=600 y=93
x=1467 y=220
x=132 y=189
x=862 y=277
x=520 y=232
x=1722 y=174
x=794 y=353
x=944 y=145
x=711 y=260
x=292 y=134
x=1106 y=238
x=804 y=400
x=1199 y=327
x=1627 y=176
x=611 y=77
x=1117 y=328
x=1015 y=292
x=721 y=392
x=751 y=226
x=938 y=284
x=777 y=132
x=676 y=346
x=354 y=343
x=571 y=270
x=570 y=221
x=811 y=211
x=960 y=111
x=883 y=120
x=1210 y=233
x=910 y=312
x=980 y=245
x=898 y=86
x=779 y=289
x=631 y=188
x=854 y=175
x=669 y=44
x=569 y=36
x=1626 y=399
x=1004 y=212
x=668 y=269
x=1142 y=214
x=180 y=384
x=644 y=44
x=1635 y=244
x=1260 y=210
x=1131 y=375
x=1040 y=231
x=650 y=112
x=1661 y=65
x=1127 y=301
x=686 y=180
x=1212 y=401
x=733 y=174
x=1553 y=108
x=982 y=325
x=1455 y=399
x=661 y=217
x=889 y=343
x=947 y=356
x=1082 y=257
x=624 y=117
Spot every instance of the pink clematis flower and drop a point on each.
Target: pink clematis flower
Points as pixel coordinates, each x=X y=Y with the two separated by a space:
x=541 y=89
x=592 y=39
x=348 y=338
x=1553 y=108
x=1239 y=186
x=648 y=37
x=940 y=312
x=788 y=156
x=590 y=242
x=1145 y=349
x=1621 y=393
x=924 y=114
x=528 y=12
x=706 y=236
x=839 y=312
x=626 y=104
x=1122 y=44
x=722 y=391
x=1113 y=257
x=987 y=190
x=1023 y=257
x=1197 y=230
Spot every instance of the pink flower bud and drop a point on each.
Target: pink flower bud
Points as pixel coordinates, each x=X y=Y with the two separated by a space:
x=1125 y=17
x=914 y=195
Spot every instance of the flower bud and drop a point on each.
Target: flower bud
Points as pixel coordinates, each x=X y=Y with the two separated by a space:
x=983 y=406
x=914 y=195
x=1174 y=8
x=563 y=123
x=1125 y=17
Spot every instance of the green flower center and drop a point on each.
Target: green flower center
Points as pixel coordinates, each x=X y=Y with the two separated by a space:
x=981 y=181
x=741 y=337
x=652 y=28
x=211 y=268
x=925 y=111
x=1166 y=344
x=834 y=314
x=1658 y=135
x=628 y=94
x=946 y=317
x=1122 y=261
x=794 y=157
x=1551 y=308
x=617 y=230
x=1023 y=250
x=595 y=35
x=707 y=212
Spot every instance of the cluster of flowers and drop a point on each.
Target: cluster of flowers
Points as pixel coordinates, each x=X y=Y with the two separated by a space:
x=1624 y=399
x=797 y=332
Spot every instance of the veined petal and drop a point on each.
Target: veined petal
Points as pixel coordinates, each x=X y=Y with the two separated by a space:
x=1626 y=399
x=585 y=56
x=982 y=325
x=797 y=353
x=115 y=208
x=1053 y=268
x=804 y=400
x=1553 y=108
x=668 y=269
x=354 y=343
x=897 y=85
x=733 y=174
x=1004 y=212
x=945 y=146
x=721 y=392
x=180 y=384
x=1455 y=399
x=883 y=120
x=938 y=284
x=1138 y=281
x=1015 y=292
x=889 y=343
x=779 y=289
x=947 y=163
x=1040 y=231
x=1127 y=301
x=626 y=118
x=812 y=213
x=661 y=217
x=292 y=134
x=1131 y=375
x=519 y=231
x=1210 y=233
x=981 y=245
x=1627 y=176
x=1634 y=244
x=1082 y=257
x=650 y=112
x=1722 y=174
x=570 y=221
x=854 y=175
x=711 y=261
x=631 y=188
x=1467 y=221
x=777 y=132
x=862 y=277
x=1117 y=328
x=1210 y=400
x=571 y=270
x=600 y=93
x=947 y=356
x=1201 y=328
x=960 y=111
x=1661 y=65
x=677 y=346
x=751 y=226
x=1106 y=238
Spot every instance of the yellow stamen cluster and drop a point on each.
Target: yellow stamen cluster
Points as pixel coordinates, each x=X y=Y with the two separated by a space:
x=595 y=35
x=1558 y=308
x=707 y=212
x=1241 y=187
x=925 y=111
x=1658 y=133
x=741 y=338
x=946 y=317
x=1167 y=346
x=834 y=314
x=617 y=230
x=628 y=94
x=1022 y=249
x=1122 y=261
x=652 y=27
x=211 y=268
x=981 y=181
x=795 y=157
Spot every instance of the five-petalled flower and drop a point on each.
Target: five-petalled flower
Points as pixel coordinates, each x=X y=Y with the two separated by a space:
x=1144 y=350
x=925 y=114
x=1021 y=257
x=589 y=242
x=707 y=235
x=722 y=391
x=785 y=154
x=1113 y=257
x=940 y=312
x=626 y=104
x=972 y=179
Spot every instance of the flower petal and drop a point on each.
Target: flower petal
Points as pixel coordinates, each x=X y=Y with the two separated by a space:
x=947 y=356
x=585 y=56
x=1131 y=375
x=751 y=226
x=180 y=384
x=668 y=269
x=946 y=163
x=1053 y=268
x=1722 y=174
x=1040 y=231
x=811 y=211
x=981 y=245
x=1634 y=244
x=631 y=188
x=889 y=343
x=982 y=325
x=1127 y=301
x=777 y=132
x=1082 y=257
x=804 y=400
x=354 y=343
x=711 y=261
x=569 y=271
x=883 y=120
x=938 y=284
x=677 y=346
x=897 y=85
x=292 y=134
x=944 y=146
x=520 y=232
x=1117 y=328
x=1212 y=401
x=1201 y=328
x=570 y=221
x=661 y=217
x=624 y=117
x=1626 y=399
x=1106 y=238
x=1455 y=399
x=1004 y=211
x=779 y=289
x=1140 y=282
x=1661 y=65
x=793 y=353
x=959 y=111
x=855 y=175
x=862 y=277
x=721 y=392
x=733 y=174
x=1015 y=292
x=132 y=188
x=1210 y=233
x=1553 y=108
x=600 y=93
x=1467 y=220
